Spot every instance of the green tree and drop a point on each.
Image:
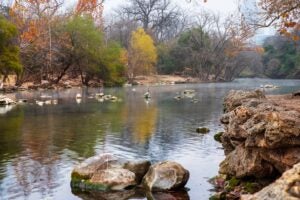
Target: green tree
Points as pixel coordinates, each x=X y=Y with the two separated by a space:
x=90 y=55
x=166 y=63
x=281 y=57
x=193 y=53
x=9 y=52
x=142 y=54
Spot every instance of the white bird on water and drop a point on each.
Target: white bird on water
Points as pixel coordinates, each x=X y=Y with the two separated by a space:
x=78 y=96
x=147 y=95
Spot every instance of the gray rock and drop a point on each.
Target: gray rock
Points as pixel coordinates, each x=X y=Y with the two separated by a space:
x=114 y=179
x=165 y=176
x=108 y=172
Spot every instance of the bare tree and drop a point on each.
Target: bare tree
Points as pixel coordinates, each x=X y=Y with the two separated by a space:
x=120 y=30
x=158 y=17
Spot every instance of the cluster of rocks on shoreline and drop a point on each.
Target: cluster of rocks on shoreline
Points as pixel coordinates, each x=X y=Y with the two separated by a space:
x=261 y=141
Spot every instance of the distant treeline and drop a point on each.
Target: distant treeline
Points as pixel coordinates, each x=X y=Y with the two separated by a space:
x=44 y=40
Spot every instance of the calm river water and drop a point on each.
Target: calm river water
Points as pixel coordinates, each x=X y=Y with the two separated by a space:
x=39 y=145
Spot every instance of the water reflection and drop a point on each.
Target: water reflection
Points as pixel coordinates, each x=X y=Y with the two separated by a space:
x=132 y=194
x=40 y=145
x=121 y=195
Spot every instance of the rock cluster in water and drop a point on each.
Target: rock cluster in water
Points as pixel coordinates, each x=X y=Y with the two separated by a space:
x=107 y=172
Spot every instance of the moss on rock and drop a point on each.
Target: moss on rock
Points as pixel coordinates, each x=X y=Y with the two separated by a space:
x=218 y=136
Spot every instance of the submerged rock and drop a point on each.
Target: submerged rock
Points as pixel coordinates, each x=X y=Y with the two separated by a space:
x=287 y=187
x=108 y=172
x=165 y=176
x=218 y=136
x=202 y=130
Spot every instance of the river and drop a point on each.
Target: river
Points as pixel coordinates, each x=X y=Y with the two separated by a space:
x=39 y=145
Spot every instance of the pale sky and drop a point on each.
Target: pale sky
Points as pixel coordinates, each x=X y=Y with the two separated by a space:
x=222 y=7
x=219 y=6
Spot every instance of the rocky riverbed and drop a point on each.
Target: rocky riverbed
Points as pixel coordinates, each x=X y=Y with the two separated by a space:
x=261 y=141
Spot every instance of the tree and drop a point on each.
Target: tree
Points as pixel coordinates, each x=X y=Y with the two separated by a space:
x=93 y=8
x=121 y=29
x=9 y=51
x=284 y=14
x=88 y=54
x=211 y=50
x=34 y=20
x=142 y=54
x=281 y=57
x=195 y=49
x=160 y=18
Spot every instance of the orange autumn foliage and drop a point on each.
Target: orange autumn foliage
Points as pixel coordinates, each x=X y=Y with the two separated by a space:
x=94 y=8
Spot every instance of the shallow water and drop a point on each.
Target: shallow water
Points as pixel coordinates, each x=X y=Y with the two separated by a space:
x=39 y=145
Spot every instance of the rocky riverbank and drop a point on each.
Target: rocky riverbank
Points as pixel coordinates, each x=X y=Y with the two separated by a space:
x=68 y=82
x=261 y=141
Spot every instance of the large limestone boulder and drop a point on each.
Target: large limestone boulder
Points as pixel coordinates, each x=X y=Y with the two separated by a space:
x=165 y=176
x=287 y=187
x=108 y=172
x=261 y=137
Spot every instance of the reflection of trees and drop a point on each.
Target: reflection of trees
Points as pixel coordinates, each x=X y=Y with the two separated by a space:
x=144 y=122
x=10 y=137
x=141 y=118
x=43 y=143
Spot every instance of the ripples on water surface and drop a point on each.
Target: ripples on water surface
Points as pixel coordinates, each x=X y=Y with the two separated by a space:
x=40 y=145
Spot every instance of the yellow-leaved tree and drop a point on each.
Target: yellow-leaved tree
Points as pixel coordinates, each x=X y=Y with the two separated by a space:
x=142 y=54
